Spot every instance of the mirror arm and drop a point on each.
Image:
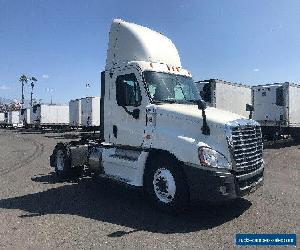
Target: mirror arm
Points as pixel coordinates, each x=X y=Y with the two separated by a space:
x=205 y=128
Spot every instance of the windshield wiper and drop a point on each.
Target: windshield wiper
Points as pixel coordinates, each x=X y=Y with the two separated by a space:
x=193 y=101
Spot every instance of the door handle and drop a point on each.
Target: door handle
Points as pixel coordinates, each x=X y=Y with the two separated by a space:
x=134 y=113
x=115 y=131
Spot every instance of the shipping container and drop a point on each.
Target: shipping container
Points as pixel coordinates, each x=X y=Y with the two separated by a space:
x=75 y=113
x=90 y=111
x=224 y=95
x=276 y=108
x=49 y=115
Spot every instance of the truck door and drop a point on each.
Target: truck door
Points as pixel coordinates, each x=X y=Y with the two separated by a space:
x=128 y=102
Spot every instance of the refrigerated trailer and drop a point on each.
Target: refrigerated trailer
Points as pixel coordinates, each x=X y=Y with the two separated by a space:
x=277 y=109
x=49 y=115
x=14 y=119
x=75 y=113
x=90 y=112
x=2 y=119
x=225 y=95
x=156 y=132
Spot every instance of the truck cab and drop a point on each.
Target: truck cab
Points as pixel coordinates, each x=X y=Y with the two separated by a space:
x=157 y=133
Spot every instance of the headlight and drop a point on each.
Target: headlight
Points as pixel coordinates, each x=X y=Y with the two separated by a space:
x=211 y=158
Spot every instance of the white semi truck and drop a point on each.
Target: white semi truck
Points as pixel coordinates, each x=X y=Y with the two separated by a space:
x=157 y=133
x=233 y=97
x=276 y=108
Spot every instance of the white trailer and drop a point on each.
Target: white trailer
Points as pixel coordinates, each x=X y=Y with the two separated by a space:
x=276 y=108
x=44 y=115
x=75 y=113
x=90 y=111
x=25 y=116
x=225 y=95
x=2 y=118
x=14 y=119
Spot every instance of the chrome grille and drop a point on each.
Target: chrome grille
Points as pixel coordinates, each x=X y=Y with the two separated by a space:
x=247 y=147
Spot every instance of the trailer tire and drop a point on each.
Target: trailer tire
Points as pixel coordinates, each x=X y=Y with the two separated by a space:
x=165 y=184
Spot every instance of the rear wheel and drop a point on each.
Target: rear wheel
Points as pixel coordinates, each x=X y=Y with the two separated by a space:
x=61 y=162
x=166 y=185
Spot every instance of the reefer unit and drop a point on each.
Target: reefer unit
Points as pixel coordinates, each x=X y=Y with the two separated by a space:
x=25 y=116
x=90 y=111
x=224 y=95
x=52 y=115
x=75 y=112
x=14 y=118
x=276 y=108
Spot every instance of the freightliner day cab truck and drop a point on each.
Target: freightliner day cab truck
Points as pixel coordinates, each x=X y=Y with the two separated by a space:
x=156 y=132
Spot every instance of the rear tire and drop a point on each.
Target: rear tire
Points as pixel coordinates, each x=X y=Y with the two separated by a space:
x=166 y=185
x=61 y=162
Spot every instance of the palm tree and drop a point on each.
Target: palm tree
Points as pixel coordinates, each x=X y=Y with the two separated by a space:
x=32 y=83
x=23 y=79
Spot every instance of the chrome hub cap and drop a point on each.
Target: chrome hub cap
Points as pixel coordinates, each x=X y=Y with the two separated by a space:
x=164 y=185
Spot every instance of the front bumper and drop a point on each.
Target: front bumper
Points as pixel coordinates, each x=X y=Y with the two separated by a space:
x=220 y=185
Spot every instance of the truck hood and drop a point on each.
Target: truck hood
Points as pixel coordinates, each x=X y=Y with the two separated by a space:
x=191 y=112
x=178 y=128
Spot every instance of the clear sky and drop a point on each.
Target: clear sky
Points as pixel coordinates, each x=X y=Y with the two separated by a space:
x=63 y=43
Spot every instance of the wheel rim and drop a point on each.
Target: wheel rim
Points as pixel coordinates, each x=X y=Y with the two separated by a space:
x=60 y=160
x=164 y=185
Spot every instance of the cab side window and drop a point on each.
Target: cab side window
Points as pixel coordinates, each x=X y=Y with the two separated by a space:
x=128 y=91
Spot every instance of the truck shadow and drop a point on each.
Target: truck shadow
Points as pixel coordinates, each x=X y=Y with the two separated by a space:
x=105 y=201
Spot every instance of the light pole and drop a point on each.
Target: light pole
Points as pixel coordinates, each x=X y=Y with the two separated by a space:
x=23 y=79
x=32 y=82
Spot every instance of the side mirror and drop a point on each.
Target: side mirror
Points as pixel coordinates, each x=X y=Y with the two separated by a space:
x=136 y=113
x=249 y=107
x=201 y=104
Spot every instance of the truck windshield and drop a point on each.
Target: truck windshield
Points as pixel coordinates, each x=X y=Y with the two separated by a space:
x=171 y=88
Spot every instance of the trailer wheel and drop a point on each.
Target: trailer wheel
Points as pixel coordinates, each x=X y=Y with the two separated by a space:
x=166 y=185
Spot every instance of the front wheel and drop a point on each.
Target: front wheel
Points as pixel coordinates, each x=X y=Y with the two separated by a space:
x=166 y=185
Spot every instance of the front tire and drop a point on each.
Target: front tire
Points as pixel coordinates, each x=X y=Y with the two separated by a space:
x=166 y=185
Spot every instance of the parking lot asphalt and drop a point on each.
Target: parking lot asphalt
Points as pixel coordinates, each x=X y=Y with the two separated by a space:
x=39 y=211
